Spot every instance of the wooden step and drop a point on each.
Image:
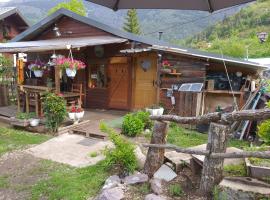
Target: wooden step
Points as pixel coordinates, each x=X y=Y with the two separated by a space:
x=89 y=130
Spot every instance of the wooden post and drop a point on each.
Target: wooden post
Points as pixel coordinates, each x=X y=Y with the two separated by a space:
x=36 y=104
x=27 y=101
x=213 y=167
x=155 y=156
x=57 y=79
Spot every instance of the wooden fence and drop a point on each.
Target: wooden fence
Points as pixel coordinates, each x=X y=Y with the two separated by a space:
x=215 y=152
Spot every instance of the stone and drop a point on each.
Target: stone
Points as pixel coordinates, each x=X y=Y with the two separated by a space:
x=156 y=186
x=154 y=197
x=165 y=173
x=111 y=182
x=243 y=188
x=136 y=179
x=140 y=157
x=115 y=193
x=178 y=159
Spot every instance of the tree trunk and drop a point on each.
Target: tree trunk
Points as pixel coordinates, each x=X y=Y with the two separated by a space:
x=213 y=167
x=155 y=156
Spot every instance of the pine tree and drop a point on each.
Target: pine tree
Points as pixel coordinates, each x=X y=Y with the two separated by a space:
x=132 y=23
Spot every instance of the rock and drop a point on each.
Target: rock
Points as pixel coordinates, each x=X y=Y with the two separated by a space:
x=140 y=157
x=154 y=197
x=111 y=182
x=136 y=178
x=165 y=173
x=115 y=193
x=156 y=186
x=243 y=188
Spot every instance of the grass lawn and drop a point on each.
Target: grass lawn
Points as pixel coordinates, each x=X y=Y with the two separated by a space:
x=187 y=138
x=12 y=139
x=70 y=183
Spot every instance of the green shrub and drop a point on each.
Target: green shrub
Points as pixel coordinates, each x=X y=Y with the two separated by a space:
x=132 y=125
x=122 y=156
x=264 y=131
x=22 y=115
x=54 y=108
x=175 y=190
x=145 y=118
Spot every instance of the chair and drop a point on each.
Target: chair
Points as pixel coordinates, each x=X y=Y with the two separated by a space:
x=78 y=88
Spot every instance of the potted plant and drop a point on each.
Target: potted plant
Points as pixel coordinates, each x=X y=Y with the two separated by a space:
x=70 y=65
x=22 y=119
x=166 y=67
x=155 y=110
x=38 y=68
x=72 y=112
x=79 y=113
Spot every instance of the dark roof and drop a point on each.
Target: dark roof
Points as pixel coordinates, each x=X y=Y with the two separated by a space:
x=156 y=44
x=8 y=11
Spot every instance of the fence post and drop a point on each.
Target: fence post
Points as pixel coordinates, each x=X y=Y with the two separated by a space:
x=155 y=156
x=213 y=167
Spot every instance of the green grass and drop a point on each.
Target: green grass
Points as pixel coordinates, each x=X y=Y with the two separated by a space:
x=175 y=190
x=12 y=139
x=185 y=138
x=4 y=181
x=69 y=183
x=116 y=123
x=182 y=137
x=235 y=170
x=93 y=154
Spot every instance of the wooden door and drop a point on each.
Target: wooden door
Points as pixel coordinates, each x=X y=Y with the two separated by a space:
x=145 y=90
x=118 y=85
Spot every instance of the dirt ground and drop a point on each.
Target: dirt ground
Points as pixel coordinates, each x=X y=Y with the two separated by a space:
x=18 y=172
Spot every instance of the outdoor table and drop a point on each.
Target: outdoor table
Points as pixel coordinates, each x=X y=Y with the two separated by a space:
x=30 y=89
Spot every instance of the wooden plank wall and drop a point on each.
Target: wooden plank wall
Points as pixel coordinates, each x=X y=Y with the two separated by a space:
x=71 y=28
x=192 y=71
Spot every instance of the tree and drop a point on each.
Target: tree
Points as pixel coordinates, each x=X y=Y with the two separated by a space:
x=76 y=6
x=132 y=23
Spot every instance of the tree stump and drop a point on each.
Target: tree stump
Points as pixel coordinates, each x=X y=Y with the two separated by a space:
x=155 y=156
x=213 y=167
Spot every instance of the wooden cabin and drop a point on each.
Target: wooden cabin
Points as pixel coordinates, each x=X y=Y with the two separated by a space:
x=12 y=23
x=123 y=70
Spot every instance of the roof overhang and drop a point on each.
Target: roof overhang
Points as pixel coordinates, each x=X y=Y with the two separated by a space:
x=57 y=44
x=209 y=57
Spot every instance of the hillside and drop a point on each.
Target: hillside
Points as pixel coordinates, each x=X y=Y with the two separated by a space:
x=237 y=35
x=152 y=21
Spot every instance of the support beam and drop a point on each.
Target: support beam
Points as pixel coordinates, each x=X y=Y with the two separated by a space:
x=213 y=167
x=57 y=79
x=155 y=157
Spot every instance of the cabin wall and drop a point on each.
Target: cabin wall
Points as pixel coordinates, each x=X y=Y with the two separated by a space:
x=71 y=28
x=191 y=71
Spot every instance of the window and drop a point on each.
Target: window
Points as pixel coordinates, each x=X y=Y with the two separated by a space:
x=97 y=76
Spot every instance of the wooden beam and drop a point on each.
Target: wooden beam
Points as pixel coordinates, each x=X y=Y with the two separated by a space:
x=57 y=79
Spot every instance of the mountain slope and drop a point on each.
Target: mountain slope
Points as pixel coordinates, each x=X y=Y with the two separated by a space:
x=237 y=35
x=152 y=21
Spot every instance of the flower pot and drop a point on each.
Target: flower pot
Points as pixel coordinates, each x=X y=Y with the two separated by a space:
x=165 y=71
x=71 y=72
x=71 y=116
x=34 y=122
x=160 y=111
x=79 y=115
x=38 y=73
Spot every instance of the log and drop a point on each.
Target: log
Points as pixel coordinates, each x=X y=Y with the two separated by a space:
x=178 y=149
x=225 y=118
x=213 y=167
x=155 y=156
x=204 y=119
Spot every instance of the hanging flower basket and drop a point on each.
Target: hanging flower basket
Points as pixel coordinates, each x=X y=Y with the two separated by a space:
x=38 y=73
x=38 y=68
x=70 y=65
x=71 y=72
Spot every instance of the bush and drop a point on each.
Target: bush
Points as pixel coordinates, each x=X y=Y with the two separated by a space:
x=54 y=108
x=122 y=155
x=145 y=118
x=132 y=125
x=264 y=131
